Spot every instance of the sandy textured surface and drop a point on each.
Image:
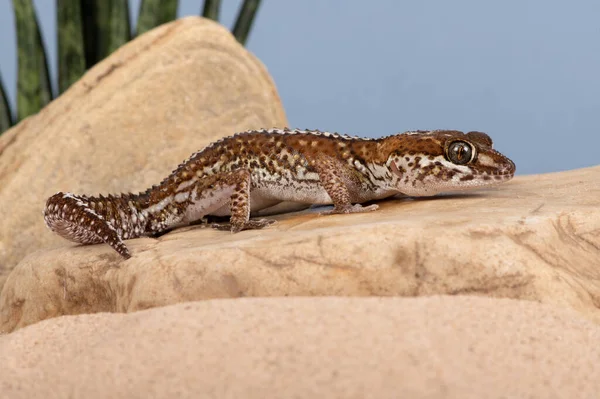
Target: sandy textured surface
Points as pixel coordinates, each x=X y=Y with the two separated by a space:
x=535 y=238
x=436 y=347
x=128 y=123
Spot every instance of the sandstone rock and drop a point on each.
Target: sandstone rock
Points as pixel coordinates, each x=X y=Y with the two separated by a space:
x=128 y=123
x=534 y=238
x=434 y=347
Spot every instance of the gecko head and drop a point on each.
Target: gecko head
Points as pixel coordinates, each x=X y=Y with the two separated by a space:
x=430 y=162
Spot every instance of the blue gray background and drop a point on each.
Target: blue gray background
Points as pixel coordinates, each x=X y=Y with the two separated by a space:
x=525 y=71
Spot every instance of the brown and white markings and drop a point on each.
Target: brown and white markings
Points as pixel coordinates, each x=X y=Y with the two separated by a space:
x=283 y=169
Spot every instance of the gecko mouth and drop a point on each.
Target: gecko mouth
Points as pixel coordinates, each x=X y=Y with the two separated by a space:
x=507 y=173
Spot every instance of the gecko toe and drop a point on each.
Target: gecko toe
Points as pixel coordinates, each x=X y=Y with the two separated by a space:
x=369 y=208
x=260 y=223
x=253 y=224
x=257 y=224
x=356 y=208
x=222 y=227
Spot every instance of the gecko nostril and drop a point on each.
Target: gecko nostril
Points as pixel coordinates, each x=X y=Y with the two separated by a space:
x=507 y=167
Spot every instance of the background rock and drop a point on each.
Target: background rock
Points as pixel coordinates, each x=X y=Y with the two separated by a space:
x=434 y=347
x=128 y=123
x=534 y=238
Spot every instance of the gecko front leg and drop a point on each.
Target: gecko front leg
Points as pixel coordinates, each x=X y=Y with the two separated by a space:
x=336 y=180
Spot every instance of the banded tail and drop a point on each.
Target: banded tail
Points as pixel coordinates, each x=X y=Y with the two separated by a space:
x=94 y=220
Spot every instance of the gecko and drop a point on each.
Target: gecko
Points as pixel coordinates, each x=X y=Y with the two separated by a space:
x=280 y=170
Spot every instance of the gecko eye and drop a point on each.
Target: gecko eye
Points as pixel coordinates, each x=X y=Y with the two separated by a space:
x=460 y=152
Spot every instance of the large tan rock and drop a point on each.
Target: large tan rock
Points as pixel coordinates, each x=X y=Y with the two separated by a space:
x=128 y=123
x=535 y=238
x=435 y=347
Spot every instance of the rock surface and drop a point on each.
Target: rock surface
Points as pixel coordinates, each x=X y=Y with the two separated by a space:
x=128 y=123
x=534 y=238
x=434 y=347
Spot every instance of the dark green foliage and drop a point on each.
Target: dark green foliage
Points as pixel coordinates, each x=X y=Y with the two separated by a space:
x=33 y=81
x=105 y=28
x=5 y=114
x=119 y=28
x=211 y=9
x=154 y=13
x=244 y=20
x=93 y=34
x=71 y=53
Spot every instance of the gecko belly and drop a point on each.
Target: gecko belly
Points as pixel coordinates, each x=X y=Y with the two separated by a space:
x=269 y=200
x=265 y=210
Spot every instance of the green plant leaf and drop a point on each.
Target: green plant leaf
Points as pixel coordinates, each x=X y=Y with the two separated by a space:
x=154 y=13
x=6 y=120
x=33 y=81
x=211 y=9
x=119 y=27
x=244 y=21
x=105 y=28
x=92 y=31
x=71 y=53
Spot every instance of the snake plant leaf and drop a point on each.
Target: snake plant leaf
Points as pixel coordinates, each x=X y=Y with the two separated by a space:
x=211 y=9
x=245 y=19
x=92 y=31
x=105 y=28
x=154 y=13
x=6 y=120
x=119 y=26
x=33 y=80
x=71 y=53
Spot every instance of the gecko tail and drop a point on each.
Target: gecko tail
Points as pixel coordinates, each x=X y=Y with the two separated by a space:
x=74 y=218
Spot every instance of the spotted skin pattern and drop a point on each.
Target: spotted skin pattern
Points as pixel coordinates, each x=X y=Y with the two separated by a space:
x=260 y=171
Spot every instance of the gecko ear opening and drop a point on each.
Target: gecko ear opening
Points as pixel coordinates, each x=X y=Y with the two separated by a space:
x=395 y=169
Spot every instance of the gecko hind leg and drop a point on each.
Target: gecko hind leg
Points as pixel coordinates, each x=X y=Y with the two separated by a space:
x=239 y=205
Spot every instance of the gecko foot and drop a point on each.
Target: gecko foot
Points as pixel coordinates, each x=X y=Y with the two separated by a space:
x=356 y=208
x=252 y=224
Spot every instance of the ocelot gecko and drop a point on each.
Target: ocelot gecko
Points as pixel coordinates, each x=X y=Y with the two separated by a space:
x=283 y=170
